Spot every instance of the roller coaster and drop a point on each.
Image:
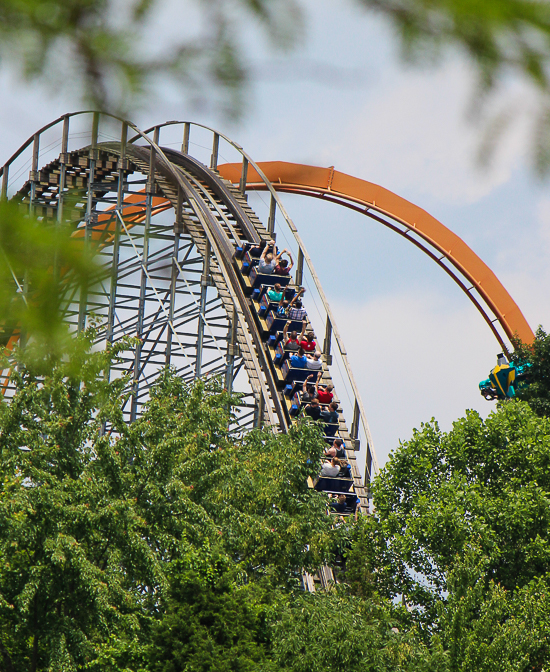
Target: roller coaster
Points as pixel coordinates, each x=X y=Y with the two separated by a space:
x=167 y=211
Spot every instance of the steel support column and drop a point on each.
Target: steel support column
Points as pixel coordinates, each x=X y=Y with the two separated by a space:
x=63 y=159
x=93 y=155
x=173 y=280
x=5 y=177
x=122 y=168
x=150 y=190
x=215 y=148
x=205 y=282
x=33 y=175
x=244 y=176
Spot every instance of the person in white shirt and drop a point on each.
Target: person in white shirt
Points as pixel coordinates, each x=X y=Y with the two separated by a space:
x=331 y=468
x=314 y=362
x=267 y=261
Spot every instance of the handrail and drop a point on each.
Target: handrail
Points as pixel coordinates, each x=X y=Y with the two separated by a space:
x=307 y=258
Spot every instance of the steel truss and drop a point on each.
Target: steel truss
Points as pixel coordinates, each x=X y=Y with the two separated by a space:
x=165 y=228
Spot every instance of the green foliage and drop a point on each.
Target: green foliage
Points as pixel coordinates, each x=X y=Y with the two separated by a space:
x=332 y=632
x=107 y=527
x=169 y=545
x=498 y=36
x=38 y=265
x=537 y=393
x=212 y=622
x=71 y=541
x=485 y=483
x=486 y=627
x=372 y=569
x=462 y=531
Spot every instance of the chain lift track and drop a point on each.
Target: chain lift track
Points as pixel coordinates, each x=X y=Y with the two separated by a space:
x=170 y=281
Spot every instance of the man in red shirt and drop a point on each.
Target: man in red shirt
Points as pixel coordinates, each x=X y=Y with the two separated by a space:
x=308 y=344
x=324 y=393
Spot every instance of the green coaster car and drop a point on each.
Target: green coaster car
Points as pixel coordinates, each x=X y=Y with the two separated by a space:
x=505 y=379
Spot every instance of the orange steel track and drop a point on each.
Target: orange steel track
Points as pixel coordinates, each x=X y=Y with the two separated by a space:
x=369 y=199
x=364 y=197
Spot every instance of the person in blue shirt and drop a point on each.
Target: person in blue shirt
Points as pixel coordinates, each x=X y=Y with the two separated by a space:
x=345 y=469
x=340 y=504
x=299 y=360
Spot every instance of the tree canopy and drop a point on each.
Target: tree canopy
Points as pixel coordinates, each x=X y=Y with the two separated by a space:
x=170 y=544
x=537 y=356
x=464 y=519
x=101 y=521
x=109 y=53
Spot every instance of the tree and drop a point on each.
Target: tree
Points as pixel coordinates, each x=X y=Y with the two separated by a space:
x=332 y=632
x=39 y=266
x=537 y=355
x=98 y=47
x=485 y=627
x=212 y=621
x=483 y=484
x=499 y=37
x=106 y=527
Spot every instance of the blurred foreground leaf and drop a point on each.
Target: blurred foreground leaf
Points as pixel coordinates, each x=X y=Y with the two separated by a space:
x=113 y=53
x=501 y=38
x=41 y=266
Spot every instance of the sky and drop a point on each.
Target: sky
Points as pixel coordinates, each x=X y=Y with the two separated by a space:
x=343 y=97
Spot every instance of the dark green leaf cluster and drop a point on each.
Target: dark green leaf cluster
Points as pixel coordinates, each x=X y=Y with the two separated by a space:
x=537 y=354
x=332 y=631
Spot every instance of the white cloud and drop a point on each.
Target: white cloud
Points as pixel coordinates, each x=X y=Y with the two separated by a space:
x=413 y=135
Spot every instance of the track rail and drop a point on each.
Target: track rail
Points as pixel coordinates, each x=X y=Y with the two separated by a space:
x=332 y=332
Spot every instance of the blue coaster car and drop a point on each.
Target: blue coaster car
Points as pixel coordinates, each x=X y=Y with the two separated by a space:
x=504 y=380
